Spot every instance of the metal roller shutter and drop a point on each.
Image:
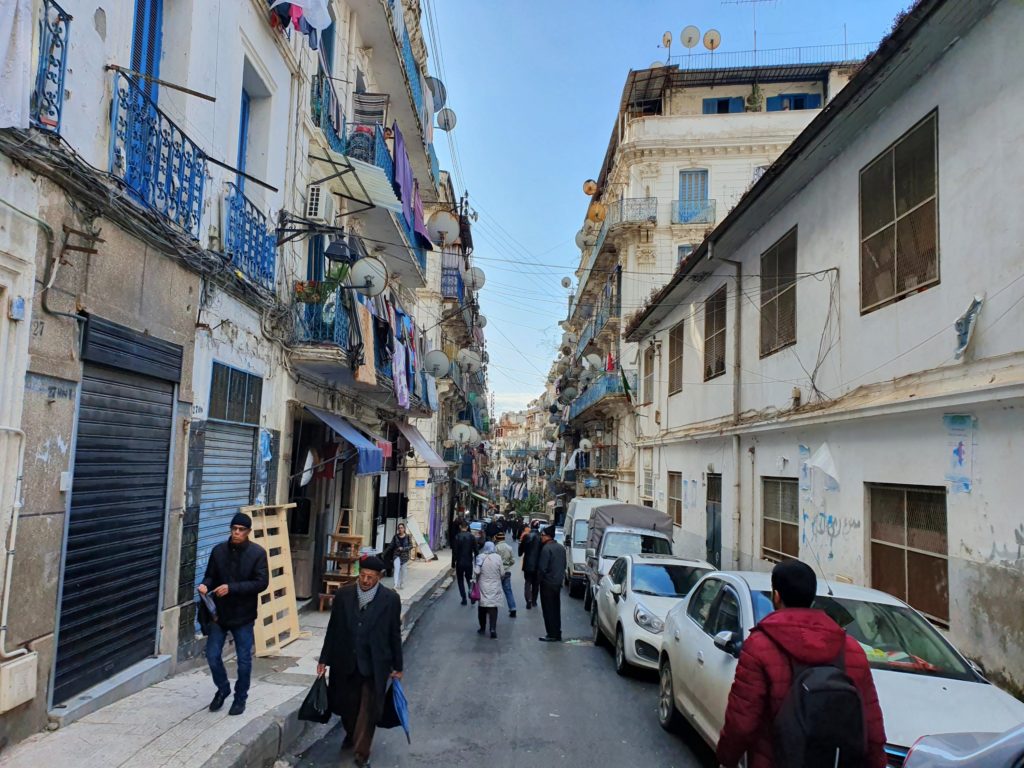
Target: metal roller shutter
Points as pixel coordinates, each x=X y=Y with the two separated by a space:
x=227 y=485
x=114 y=557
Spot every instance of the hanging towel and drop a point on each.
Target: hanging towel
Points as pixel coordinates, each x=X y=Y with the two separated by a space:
x=419 y=226
x=398 y=370
x=16 y=65
x=403 y=176
x=365 y=372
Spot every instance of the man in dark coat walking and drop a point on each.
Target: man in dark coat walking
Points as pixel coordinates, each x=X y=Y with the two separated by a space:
x=463 y=552
x=529 y=550
x=235 y=575
x=363 y=649
x=551 y=573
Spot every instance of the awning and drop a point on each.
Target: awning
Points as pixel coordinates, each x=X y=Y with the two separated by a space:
x=480 y=497
x=364 y=181
x=382 y=442
x=422 y=447
x=371 y=457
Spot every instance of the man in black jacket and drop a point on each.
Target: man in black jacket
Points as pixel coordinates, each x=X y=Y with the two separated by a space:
x=363 y=649
x=551 y=573
x=235 y=575
x=529 y=549
x=463 y=551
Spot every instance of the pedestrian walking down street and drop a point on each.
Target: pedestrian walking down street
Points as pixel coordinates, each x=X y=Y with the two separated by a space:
x=463 y=552
x=508 y=561
x=551 y=574
x=401 y=546
x=489 y=572
x=362 y=649
x=529 y=549
x=235 y=575
x=798 y=639
x=453 y=531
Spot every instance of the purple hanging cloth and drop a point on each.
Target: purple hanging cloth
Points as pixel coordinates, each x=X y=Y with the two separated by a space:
x=404 y=186
x=419 y=227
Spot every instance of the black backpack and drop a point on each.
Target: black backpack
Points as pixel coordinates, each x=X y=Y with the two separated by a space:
x=821 y=721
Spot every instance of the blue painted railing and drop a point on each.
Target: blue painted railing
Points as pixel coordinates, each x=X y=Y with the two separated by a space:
x=693 y=211
x=633 y=209
x=418 y=252
x=435 y=165
x=452 y=284
x=319 y=322
x=586 y=336
x=412 y=72
x=608 y=385
x=247 y=240
x=382 y=156
x=322 y=108
x=158 y=163
x=48 y=96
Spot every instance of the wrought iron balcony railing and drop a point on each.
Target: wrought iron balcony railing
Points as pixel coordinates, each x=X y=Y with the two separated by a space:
x=608 y=385
x=606 y=458
x=633 y=210
x=693 y=211
x=320 y=314
x=48 y=95
x=412 y=72
x=247 y=240
x=327 y=113
x=452 y=455
x=158 y=163
x=452 y=284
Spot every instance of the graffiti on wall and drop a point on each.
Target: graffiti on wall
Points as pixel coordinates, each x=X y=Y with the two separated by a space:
x=960 y=445
x=819 y=481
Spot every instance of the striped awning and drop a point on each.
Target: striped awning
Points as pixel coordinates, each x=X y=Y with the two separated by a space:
x=363 y=182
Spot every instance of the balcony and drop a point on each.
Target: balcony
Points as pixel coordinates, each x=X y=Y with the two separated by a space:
x=693 y=211
x=606 y=459
x=48 y=95
x=452 y=455
x=412 y=72
x=609 y=385
x=633 y=210
x=320 y=315
x=154 y=159
x=247 y=240
x=327 y=113
x=435 y=165
x=452 y=284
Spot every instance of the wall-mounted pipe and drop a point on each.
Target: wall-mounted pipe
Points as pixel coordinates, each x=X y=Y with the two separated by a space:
x=12 y=537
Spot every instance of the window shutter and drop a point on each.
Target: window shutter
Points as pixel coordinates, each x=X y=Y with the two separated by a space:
x=812 y=101
x=710 y=106
x=736 y=104
x=243 y=137
x=146 y=42
x=675 y=359
x=773 y=104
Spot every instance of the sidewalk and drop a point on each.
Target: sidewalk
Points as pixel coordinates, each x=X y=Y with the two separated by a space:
x=168 y=724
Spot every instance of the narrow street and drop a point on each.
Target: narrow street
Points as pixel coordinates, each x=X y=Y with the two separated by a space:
x=516 y=702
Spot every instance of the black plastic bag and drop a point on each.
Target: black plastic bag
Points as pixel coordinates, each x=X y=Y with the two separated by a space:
x=315 y=707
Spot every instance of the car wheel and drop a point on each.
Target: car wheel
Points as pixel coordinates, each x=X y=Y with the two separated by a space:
x=588 y=598
x=575 y=589
x=621 y=665
x=669 y=717
x=599 y=639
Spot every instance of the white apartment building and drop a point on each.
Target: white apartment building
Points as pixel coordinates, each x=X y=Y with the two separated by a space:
x=837 y=372
x=686 y=145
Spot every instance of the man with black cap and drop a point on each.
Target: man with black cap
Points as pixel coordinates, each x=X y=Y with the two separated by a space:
x=235 y=575
x=529 y=548
x=363 y=649
x=550 y=574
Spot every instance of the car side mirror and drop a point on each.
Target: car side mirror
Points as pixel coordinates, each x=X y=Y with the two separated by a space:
x=977 y=667
x=591 y=553
x=728 y=642
x=616 y=589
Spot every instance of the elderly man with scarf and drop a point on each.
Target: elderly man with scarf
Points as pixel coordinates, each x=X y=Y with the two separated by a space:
x=363 y=648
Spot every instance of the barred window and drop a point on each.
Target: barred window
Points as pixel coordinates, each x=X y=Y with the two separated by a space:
x=714 y=334
x=780 y=519
x=235 y=395
x=675 y=359
x=648 y=476
x=910 y=546
x=899 y=234
x=778 y=295
x=648 y=391
x=675 y=496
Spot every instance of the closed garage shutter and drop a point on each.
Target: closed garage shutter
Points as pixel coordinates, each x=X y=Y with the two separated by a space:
x=227 y=485
x=114 y=557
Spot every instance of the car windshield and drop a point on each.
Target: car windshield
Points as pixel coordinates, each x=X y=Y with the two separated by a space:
x=665 y=580
x=619 y=544
x=894 y=637
x=580 y=531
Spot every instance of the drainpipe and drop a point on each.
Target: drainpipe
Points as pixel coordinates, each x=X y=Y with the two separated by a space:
x=737 y=339
x=12 y=536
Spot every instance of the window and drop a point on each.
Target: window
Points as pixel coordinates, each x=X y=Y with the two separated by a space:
x=675 y=497
x=693 y=207
x=780 y=519
x=909 y=546
x=666 y=580
x=243 y=137
x=617 y=573
x=648 y=476
x=899 y=234
x=699 y=608
x=714 y=334
x=778 y=295
x=235 y=395
x=648 y=390
x=726 y=615
x=792 y=101
x=675 y=359
x=580 y=533
x=682 y=253
x=147 y=41
x=723 y=106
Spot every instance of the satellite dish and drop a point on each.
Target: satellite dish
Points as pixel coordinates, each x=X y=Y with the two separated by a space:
x=481 y=322
x=460 y=433
x=369 y=275
x=307 y=468
x=475 y=279
x=438 y=92
x=595 y=362
x=666 y=40
x=585 y=444
x=469 y=360
x=656 y=64
x=712 y=39
x=587 y=377
x=446 y=119
x=589 y=187
x=436 y=363
x=689 y=37
x=443 y=227
x=566 y=282
x=596 y=212
x=568 y=395
x=474 y=436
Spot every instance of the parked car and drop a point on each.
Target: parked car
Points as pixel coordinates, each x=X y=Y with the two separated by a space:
x=925 y=686
x=969 y=750
x=577 y=522
x=560 y=535
x=632 y=601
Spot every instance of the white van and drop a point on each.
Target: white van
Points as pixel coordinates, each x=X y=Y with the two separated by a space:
x=577 y=521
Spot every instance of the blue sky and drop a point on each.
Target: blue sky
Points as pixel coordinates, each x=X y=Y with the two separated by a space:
x=536 y=85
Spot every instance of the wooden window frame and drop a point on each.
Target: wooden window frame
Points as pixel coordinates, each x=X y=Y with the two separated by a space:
x=675 y=497
x=774 y=284
x=676 y=341
x=715 y=326
x=647 y=385
x=776 y=517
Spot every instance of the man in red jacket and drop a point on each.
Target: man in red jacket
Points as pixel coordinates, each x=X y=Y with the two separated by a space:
x=764 y=673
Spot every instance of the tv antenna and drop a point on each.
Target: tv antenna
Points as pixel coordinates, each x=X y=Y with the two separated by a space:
x=753 y=7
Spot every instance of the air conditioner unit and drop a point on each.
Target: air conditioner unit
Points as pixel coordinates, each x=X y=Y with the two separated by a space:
x=320 y=204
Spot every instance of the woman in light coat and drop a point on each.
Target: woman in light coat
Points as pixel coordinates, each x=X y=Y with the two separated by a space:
x=488 y=571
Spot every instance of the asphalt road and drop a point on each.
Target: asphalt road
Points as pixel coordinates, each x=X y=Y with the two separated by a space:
x=515 y=702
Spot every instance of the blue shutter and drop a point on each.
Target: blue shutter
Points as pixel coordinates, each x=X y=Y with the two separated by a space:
x=710 y=106
x=243 y=137
x=693 y=186
x=147 y=39
x=736 y=104
x=315 y=258
x=813 y=101
x=773 y=104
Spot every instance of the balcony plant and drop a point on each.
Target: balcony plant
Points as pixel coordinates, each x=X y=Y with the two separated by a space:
x=318 y=291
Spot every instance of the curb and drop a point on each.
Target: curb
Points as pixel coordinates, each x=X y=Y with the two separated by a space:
x=264 y=739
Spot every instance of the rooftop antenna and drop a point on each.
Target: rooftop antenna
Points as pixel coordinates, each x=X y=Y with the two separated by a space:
x=753 y=6
x=689 y=37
